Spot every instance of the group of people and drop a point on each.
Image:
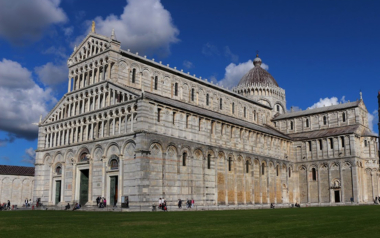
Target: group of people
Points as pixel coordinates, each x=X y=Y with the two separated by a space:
x=272 y=206
x=162 y=204
x=190 y=203
x=297 y=205
x=5 y=206
x=101 y=202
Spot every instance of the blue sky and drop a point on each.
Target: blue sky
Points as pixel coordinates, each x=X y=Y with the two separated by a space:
x=320 y=52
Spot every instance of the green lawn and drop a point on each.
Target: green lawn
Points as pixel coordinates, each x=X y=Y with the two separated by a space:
x=358 y=221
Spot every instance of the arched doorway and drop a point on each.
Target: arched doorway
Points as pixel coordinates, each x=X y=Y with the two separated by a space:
x=83 y=172
x=113 y=179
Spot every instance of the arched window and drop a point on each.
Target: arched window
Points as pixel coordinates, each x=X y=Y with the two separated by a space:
x=233 y=108
x=331 y=143
x=229 y=164
x=277 y=170
x=158 y=114
x=184 y=157
x=365 y=143
x=320 y=145
x=176 y=89
x=314 y=174
x=309 y=143
x=278 y=108
x=221 y=104
x=262 y=169
x=192 y=94
x=83 y=157
x=208 y=161
x=290 y=173
x=291 y=125
x=155 y=83
x=247 y=166
x=344 y=116
x=133 y=75
x=58 y=170
x=324 y=120
x=342 y=139
x=245 y=112
x=307 y=122
x=254 y=115
x=207 y=99
x=114 y=162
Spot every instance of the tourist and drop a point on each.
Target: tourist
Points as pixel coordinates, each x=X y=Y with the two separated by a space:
x=188 y=204
x=26 y=202
x=179 y=203
x=97 y=201
x=76 y=207
x=9 y=205
x=30 y=202
x=163 y=203
x=192 y=203
x=159 y=203
x=101 y=202
x=272 y=206
x=127 y=203
x=105 y=202
x=67 y=207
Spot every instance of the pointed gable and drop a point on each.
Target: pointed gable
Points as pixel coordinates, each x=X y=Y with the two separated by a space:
x=92 y=45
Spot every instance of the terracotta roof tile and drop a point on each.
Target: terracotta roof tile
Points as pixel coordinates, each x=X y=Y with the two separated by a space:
x=16 y=170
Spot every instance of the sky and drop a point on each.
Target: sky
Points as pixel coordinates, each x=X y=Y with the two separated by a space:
x=320 y=52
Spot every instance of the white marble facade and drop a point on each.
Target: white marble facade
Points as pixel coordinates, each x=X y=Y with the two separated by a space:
x=130 y=126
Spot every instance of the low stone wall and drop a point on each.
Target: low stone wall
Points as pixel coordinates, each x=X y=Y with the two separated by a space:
x=16 y=188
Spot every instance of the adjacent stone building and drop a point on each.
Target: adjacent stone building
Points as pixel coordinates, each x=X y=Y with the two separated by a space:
x=16 y=184
x=130 y=126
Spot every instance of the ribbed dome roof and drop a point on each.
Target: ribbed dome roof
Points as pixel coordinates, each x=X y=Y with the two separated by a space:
x=257 y=75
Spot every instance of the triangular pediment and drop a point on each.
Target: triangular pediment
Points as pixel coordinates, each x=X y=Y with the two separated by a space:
x=92 y=45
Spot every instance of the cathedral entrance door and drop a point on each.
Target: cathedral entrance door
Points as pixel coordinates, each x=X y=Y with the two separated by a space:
x=57 y=192
x=113 y=190
x=83 y=187
x=337 y=196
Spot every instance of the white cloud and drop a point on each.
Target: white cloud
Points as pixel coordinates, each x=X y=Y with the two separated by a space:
x=230 y=55
x=325 y=102
x=373 y=119
x=144 y=27
x=187 y=64
x=13 y=75
x=210 y=50
x=29 y=156
x=52 y=74
x=21 y=104
x=25 y=20
x=235 y=72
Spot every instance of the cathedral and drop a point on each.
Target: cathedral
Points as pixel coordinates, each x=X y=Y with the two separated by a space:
x=133 y=129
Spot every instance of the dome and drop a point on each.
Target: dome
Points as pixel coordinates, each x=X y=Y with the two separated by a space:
x=257 y=75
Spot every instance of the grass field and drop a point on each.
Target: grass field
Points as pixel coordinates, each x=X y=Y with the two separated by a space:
x=357 y=221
